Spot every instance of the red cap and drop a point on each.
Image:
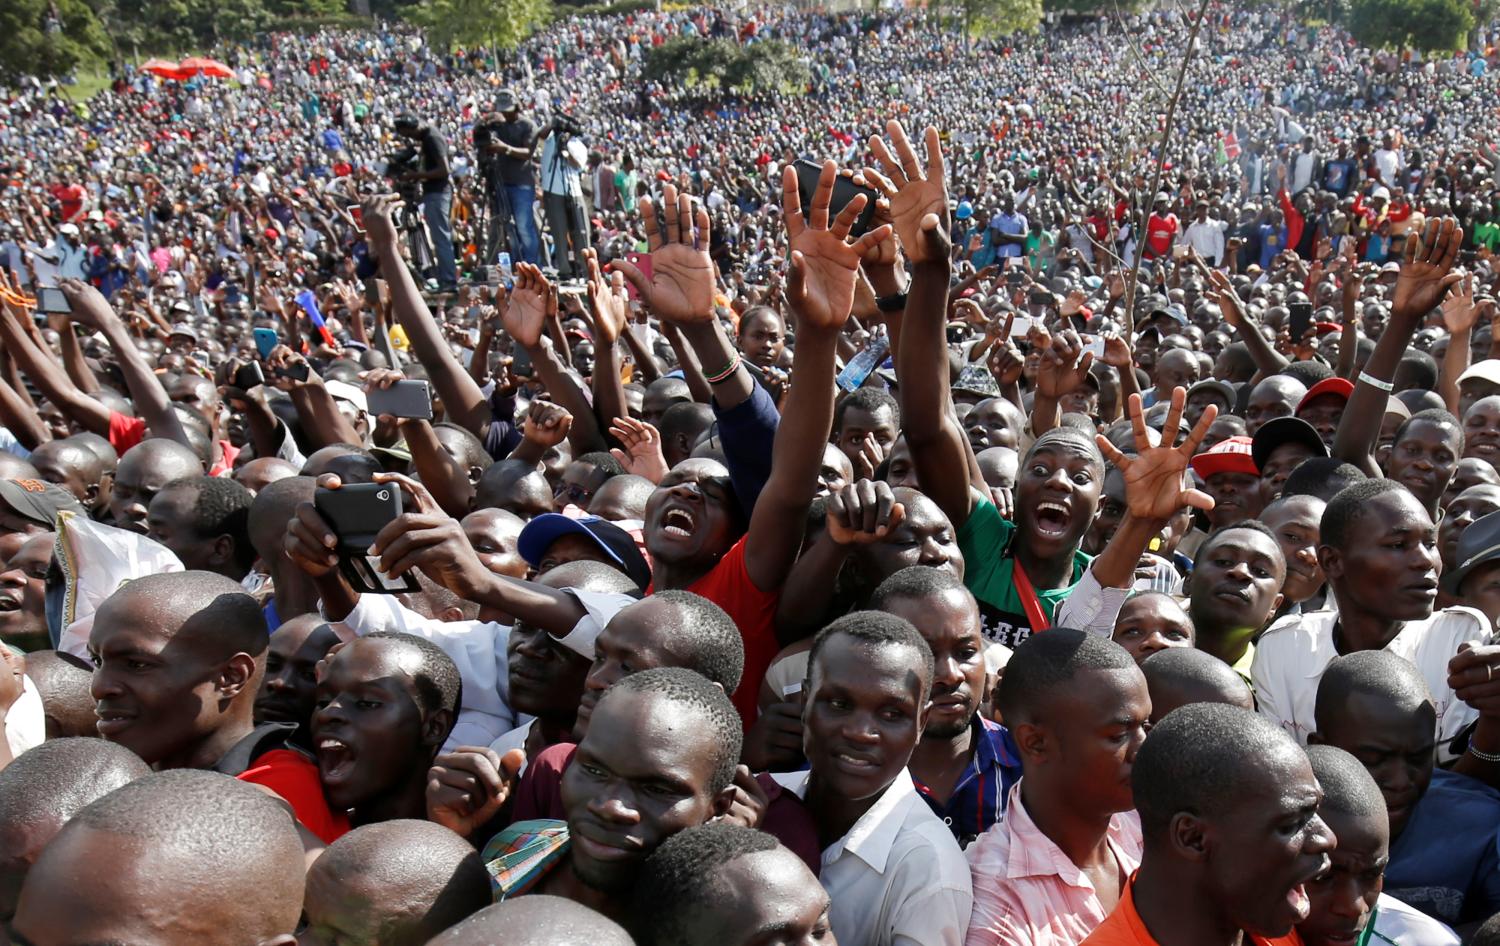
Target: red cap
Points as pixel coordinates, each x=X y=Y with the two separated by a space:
x=1231 y=455
x=1342 y=387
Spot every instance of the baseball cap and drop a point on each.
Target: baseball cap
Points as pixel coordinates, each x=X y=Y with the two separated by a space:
x=505 y=100
x=1230 y=455
x=614 y=542
x=1479 y=544
x=69 y=229
x=38 y=501
x=965 y=210
x=1341 y=387
x=344 y=391
x=976 y=379
x=1380 y=193
x=1274 y=433
x=1223 y=389
x=1487 y=370
x=182 y=328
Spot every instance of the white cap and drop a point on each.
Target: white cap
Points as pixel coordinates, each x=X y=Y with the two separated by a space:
x=343 y=391
x=1487 y=370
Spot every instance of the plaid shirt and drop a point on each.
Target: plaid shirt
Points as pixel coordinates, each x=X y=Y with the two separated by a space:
x=978 y=800
x=521 y=855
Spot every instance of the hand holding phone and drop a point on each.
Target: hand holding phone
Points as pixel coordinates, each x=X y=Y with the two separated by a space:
x=406 y=399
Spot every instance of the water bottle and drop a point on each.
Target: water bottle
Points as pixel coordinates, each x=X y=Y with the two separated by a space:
x=860 y=366
x=506 y=278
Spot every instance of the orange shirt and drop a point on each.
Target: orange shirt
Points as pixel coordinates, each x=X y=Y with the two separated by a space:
x=1124 y=927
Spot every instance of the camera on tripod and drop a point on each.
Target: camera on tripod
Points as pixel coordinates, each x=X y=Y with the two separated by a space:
x=566 y=126
x=405 y=161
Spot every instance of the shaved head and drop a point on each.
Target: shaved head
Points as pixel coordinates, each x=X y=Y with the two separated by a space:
x=227 y=853
x=536 y=920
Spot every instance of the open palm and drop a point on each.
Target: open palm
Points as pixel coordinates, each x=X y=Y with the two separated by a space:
x=526 y=310
x=1427 y=270
x=1459 y=311
x=824 y=262
x=913 y=192
x=1154 y=476
x=608 y=302
x=681 y=287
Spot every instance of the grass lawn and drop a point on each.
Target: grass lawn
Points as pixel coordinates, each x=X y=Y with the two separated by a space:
x=90 y=81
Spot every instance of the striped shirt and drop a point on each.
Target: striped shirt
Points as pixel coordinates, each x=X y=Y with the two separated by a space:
x=979 y=799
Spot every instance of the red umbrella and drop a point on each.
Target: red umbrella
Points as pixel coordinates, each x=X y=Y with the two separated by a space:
x=193 y=65
x=163 y=68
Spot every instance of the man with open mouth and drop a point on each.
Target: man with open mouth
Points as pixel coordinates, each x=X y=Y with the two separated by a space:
x=1232 y=836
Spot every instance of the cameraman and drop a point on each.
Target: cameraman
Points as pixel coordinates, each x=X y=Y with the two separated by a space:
x=563 y=159
x=437 y=195
x=506 y=143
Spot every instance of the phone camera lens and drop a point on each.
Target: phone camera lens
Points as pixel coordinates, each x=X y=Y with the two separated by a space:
x=383 y=495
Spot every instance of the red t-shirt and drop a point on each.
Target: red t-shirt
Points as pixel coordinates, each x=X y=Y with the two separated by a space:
x=1159 y=234
x=295 y=777
x=728 y=585
x=70 y=199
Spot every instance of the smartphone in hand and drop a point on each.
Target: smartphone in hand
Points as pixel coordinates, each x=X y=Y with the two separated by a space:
x=411 y=399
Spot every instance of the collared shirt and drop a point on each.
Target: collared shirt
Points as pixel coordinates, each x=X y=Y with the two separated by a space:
x=897 y=878
x=1393 y=923
x=1026 y=890
x=1290 y=659
x=1124 y=927
x=979 y=798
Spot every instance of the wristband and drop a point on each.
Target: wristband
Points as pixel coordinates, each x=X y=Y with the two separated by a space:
x=1378 y=384
x=724 y=375
x=892 y=303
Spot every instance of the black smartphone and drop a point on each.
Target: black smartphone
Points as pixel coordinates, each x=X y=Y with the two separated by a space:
x=249 y=376
x=297 y=372
x=520 y=362
x=50 y=299
x=1014 y=278
x=372 y=291
x=1300 y=321
x=402 y=399
x=844 y=189
x=357 y=512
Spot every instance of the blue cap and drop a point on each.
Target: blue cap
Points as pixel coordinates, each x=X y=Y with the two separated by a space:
x=614 y=542
x=965 y=210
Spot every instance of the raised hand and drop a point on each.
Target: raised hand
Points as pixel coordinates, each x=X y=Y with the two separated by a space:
x=1229 y=302
x=824 y=262
x=641 y=454
x=914 y=192
x=1117 y=353
x=526 y=310
x=90 y=308
x=863 y=513
x=1427 y=270
x=546 y=423
x=468 y=786
x=1064 y=367
x=1459 y=311
x=609 y=306
x=681 y=287
x=1154 y=477
x=377 y=216
x=425 y=537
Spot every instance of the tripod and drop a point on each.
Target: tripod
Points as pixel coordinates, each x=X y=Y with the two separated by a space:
x=500 y=232
x=418 y=241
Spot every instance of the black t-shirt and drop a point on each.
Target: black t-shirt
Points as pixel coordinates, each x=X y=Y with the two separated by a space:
x=520 y=133
x=434 y=156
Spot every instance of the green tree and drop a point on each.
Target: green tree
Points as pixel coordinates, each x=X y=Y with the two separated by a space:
x=502 y=23
x=1428 y=25
x=1093 y=7
x=760 y=68
x=1000 y=17
x=48 y=38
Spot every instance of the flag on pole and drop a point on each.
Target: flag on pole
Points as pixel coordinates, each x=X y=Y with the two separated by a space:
x=1231 y=145
x=309 y=304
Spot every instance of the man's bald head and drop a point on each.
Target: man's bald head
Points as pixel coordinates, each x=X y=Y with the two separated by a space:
x=204 y=608
x=63 y=682
x=42 y=789
x=262 y=472
x=169 y=455
x=272 y=509
x=1179 y=676
x=395 y=883
x=536 y=920
x=184 y=856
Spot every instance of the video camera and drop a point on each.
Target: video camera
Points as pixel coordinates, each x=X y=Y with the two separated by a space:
x=405 y=161
x=565 y=125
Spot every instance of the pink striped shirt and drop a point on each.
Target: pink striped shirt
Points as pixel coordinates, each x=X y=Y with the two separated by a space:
x=1027 y=892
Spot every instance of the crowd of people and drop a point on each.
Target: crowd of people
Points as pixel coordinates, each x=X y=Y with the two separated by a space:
x=457 y=501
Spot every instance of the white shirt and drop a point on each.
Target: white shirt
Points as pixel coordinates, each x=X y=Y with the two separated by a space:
x=1387 y=162
x=1207 y=238
x=477 y=647
x=1092 y=607
x=898 y=878
x=1397 y=923
x=1290 y=659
